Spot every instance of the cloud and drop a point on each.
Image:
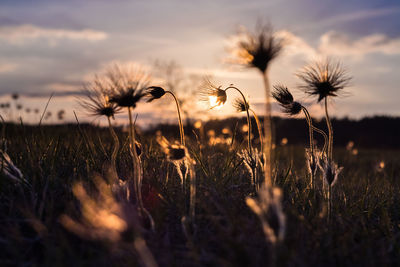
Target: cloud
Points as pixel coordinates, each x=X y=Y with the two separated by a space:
x=7 y=67
x=24 y=33
x=335 y=43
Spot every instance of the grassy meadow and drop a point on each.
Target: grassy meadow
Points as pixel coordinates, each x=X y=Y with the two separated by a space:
x=364 y=228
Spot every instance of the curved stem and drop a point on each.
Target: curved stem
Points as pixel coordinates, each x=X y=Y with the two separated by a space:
x=330 y=130
x=181 y=131
x=260 y=134
x=248 y=116
x=116 y=146
x=310 y=128
x=325 y=138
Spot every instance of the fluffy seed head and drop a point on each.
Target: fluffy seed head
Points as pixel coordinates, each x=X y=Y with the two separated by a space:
x=285 y=99
x=323 y=79
x=240 y=105
x=212 y=94
x=330 y=171
x=258 y=49
x=128 y=85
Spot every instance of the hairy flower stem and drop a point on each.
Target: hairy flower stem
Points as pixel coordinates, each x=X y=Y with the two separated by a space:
x=330 y=130
x=192 y=203
x=329 y=202
x=116 y=147
x=181 y=131
x=136 y=161
x=260 y=134
x=325 y=138
x=310 y=130
x=253 y=171
x=267 y=132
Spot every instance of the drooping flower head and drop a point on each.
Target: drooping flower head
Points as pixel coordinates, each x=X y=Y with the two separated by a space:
x=323 y=78
x=96 y=101
x=212 y=94
x=286 y=101
x=154 y=92
x=128 y=85
x=240 y=105
x=258 y=49
x=174 y=152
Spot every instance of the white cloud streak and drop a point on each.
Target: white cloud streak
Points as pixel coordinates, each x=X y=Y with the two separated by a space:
x=21 y=34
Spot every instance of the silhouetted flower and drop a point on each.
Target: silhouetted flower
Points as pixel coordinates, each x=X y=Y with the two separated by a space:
x=19 y=106
x=28 y=110
x=240 y=105
x=324 y=78
x=286 y=101
x=154 y=92
x=258 y=49
x=212 y=94
x=61 y=114
x=128 y=85
x=96 y=101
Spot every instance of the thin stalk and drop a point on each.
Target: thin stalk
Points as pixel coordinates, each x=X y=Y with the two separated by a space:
x=181 y=131
x=329 y=202
x=192 y=204
x=116 y=146
x=330 y=130
x=260 y=134
x=253 y=171
x=248 y=117
x=136 y=161
x=325 y=138
x=268 y=133
x=310 y=130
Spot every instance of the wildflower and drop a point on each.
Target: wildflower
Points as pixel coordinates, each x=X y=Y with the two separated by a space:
x=258 y=49
x=324 y=78
x=268 y=207
x=174 y=152
x=154 y=92
x=15 y=96
x=96 y=100
x=330 y=171
x=213 y=94
x=286 y=101
x=240 y=105
x=128 y=85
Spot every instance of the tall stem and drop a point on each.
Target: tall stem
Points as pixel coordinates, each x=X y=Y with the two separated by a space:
x=136 y=161
x=260 y=134
x=329 y=202
x=325 y=138
x=253 y=171
x=116 y=147
x=330 y=130
x=268 y=133
x=310 y=129
x=192 y=203
x=181 y=131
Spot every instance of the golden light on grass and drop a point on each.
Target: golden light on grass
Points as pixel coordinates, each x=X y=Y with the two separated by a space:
x=284 y=141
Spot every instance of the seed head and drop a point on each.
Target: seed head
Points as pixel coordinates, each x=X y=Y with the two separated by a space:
x=286 y=101
x=240 y=105
x=96 y=101
x=330 y=171
x=154 y=92
x=212 y=94
x=323 y=79
x=258 y=49
x=128 y=85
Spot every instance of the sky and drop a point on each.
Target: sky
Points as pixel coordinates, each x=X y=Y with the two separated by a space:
x=51 y=46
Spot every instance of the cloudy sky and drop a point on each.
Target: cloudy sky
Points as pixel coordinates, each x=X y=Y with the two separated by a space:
x=55 y=46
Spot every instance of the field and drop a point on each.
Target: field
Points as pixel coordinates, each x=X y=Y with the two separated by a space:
x=364 y=228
